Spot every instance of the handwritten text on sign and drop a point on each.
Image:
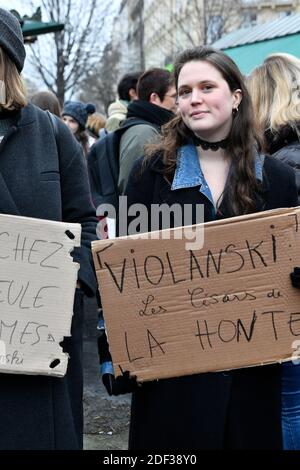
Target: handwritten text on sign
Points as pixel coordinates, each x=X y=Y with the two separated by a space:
x=37 y=284
x=172 y=312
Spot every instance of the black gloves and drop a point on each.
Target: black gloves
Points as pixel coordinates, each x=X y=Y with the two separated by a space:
x=295 y=278
x=114 y=386
x=120 y=385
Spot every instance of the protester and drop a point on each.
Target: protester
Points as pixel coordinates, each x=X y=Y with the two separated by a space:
x=42 y=175
x=275 y=90
x=47 y=101
x=75 y=115
x=208 y=156
x=117 y=111
x=154 y=107
x=110 y=160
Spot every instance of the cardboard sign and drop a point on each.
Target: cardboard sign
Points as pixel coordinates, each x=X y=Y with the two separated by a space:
x=171 y=311
x=37 y=284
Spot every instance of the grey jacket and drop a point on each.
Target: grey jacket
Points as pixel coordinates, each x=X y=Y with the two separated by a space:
x=132 y=147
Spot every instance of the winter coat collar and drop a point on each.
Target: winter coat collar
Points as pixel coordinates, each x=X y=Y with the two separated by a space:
x=188 y=167
x=149 y=112
x=26 y=115
x=188 y=171
x=283 y=137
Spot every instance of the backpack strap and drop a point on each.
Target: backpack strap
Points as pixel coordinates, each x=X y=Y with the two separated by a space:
x=53 y=125
x=103 y=164
x=135 y=122
x=116 y=152
x=53 y=122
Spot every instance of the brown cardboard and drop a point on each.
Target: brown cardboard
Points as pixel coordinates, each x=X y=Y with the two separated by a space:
x=37 y=284
x=171 y=312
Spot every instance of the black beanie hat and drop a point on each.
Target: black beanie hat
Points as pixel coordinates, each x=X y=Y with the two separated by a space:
x=78 y=111
x=11 y=38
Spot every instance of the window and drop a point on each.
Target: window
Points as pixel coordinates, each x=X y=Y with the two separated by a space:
x=214 y=30
x=250 y=18
x=284 y=13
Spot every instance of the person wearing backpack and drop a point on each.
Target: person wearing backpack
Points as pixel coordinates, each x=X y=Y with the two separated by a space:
x=110 y=159
x=117 y=111
x=156 y=105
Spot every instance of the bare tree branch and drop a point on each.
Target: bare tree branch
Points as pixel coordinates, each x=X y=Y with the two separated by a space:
x=100 y=84
x=199 y=22
x=63 y=59
x=44 y=71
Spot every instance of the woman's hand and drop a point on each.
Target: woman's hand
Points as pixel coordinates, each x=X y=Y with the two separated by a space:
x=120 y=385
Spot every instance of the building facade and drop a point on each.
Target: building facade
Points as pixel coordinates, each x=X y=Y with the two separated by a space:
x=257 y=12
x=152 y=32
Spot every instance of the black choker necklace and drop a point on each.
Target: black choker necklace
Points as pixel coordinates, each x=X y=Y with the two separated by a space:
x=222 y=144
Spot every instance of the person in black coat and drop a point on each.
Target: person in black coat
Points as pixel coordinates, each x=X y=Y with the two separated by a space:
x=208 y=156
x=275 y=90
x=42 y=175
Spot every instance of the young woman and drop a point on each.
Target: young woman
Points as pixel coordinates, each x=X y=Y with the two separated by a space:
x=42 y=175
x=275 y=90
x=208 y=156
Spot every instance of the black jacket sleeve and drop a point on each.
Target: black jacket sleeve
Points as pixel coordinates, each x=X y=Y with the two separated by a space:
x=77 y=206
x=290 y=154
x=138 y=188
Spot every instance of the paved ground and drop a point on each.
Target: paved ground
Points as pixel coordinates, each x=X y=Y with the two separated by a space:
x=106 y=418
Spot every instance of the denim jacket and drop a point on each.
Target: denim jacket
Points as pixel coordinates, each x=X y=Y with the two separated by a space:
x=188 y=174
x=188 y=171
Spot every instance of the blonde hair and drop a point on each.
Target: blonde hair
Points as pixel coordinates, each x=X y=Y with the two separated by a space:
x=15 y=94
x=275 y=90
x=95 y=122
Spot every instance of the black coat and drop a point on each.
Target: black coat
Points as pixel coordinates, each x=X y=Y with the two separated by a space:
x=240 y=409
x=284 y=144
x=290 y=154
x=39 y=180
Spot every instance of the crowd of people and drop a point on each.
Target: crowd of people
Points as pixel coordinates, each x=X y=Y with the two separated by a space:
x=204 y=134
